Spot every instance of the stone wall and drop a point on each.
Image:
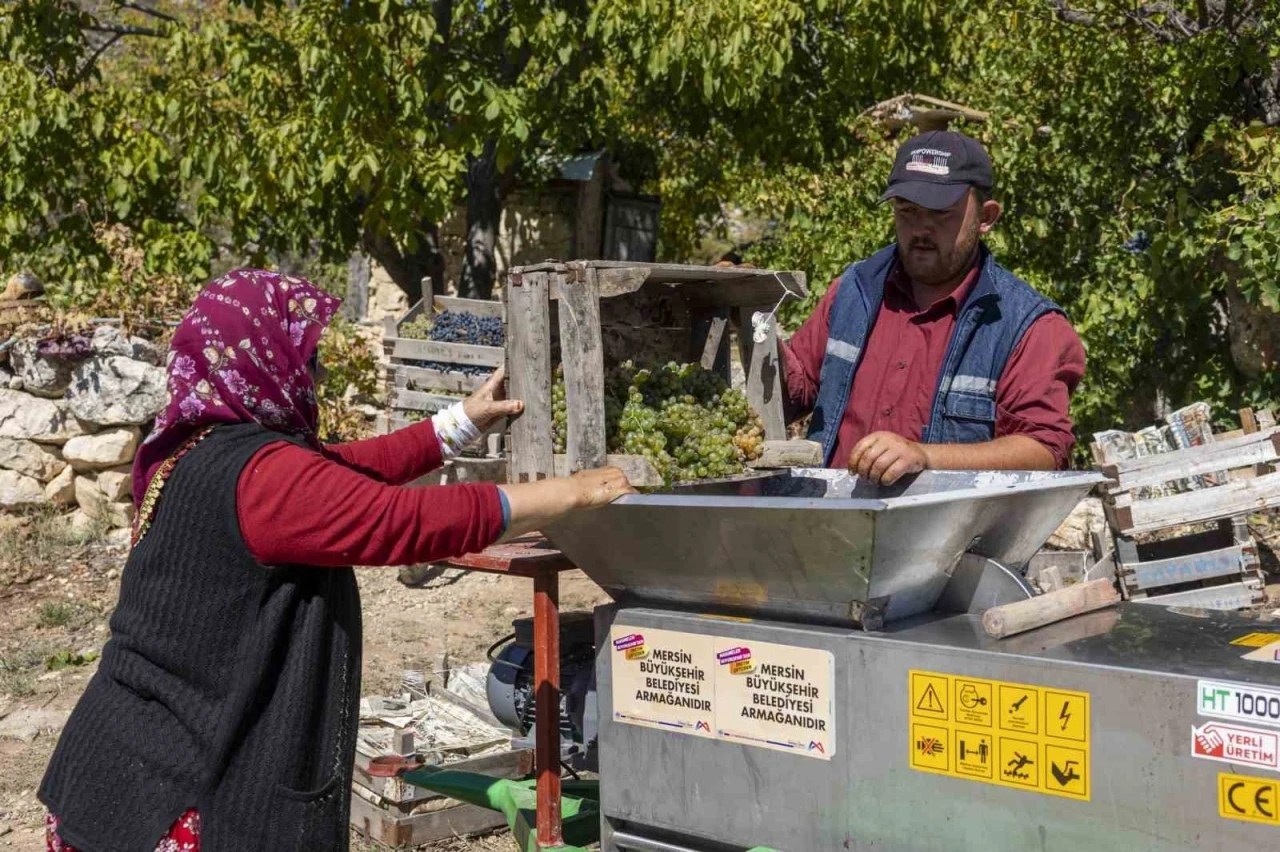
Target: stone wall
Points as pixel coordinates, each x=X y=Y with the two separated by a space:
x=72 y=414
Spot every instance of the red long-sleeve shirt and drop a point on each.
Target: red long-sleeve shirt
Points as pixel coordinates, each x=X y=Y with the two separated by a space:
x=894 y=387
x=347 y=506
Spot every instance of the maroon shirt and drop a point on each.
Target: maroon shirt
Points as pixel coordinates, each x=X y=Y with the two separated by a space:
x=347 y=506
x=895 y=383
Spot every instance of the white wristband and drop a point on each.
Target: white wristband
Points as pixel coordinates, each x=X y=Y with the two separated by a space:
x=454 y=429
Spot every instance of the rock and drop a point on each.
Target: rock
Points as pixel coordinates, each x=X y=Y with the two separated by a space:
x=109 y=340
x=62 y=490
x=113 y=390
x=96 y=505
x=117 y=484
x=27 y=724
x=31 y=418
x=21 y=285
x=122 y=537
x=46 y=376
x=16 y=383
x=18 y=491
x=110 y=448
x=81 y=524
x=1074 y=532
x=30 y=459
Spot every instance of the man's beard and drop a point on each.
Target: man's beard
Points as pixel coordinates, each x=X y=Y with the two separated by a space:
x=928 y=265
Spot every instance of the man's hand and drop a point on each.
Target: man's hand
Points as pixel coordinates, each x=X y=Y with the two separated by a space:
x=489 y=404
x=886 y=457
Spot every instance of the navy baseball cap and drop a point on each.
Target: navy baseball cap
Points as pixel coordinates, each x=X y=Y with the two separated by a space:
x=936 y=169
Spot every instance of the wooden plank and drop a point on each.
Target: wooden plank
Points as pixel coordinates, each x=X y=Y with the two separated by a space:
x=1228 y=596
x=461 y=820
x=639 y=472
x=711 y=346
x=609 y=282
x=764 y=374
x=476 y=307
x=582 y=357
x=1258 y=448
x=529 y=354
x=1188 y=568
x=397 y=794
x=1248 y=423
x=1207 y=504
x=435 y=379
x=407 y=400
x=450 y=353
x=793 y=453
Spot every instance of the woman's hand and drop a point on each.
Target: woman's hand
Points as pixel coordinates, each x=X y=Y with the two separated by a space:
x=535 y=504
x=600 y=487
x=489 y=404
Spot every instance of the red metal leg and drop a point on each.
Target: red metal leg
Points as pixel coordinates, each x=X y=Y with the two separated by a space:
x=546 y=672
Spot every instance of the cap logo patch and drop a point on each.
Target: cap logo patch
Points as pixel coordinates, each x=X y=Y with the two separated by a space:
x=929 y=160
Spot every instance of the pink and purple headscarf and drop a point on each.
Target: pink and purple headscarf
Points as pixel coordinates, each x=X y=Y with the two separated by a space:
x=240 y=355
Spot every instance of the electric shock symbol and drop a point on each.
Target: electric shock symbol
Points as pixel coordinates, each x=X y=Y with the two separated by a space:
x=1065 y=715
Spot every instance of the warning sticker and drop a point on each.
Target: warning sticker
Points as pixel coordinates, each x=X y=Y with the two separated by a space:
x=1238 y=702
x=1265 y=654
x=1236 y=744
x=1249 y=799
x=664 y=680
x=776 y=696
x=1011 y=734
x=1256 y=640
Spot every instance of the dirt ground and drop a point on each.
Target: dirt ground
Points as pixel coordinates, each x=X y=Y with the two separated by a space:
x=57 y=592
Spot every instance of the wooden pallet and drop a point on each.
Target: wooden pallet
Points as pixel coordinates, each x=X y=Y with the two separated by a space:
x=416 y=390
x=394 y=812
x=587 y=314
x=1213 y=568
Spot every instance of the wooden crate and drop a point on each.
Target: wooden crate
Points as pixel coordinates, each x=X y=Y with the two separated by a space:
x=412 y=388
x=1216 y=567
x=399 y=814
x=587 y=314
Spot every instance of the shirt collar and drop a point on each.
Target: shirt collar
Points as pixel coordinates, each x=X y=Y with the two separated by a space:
x=901 y=282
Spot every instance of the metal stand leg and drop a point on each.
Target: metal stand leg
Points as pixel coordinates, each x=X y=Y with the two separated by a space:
x=546 y=671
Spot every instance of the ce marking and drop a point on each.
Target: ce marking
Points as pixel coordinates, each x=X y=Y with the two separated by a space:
x=1260 y=801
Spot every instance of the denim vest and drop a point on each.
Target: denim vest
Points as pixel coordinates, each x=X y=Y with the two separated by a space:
x=998 y=311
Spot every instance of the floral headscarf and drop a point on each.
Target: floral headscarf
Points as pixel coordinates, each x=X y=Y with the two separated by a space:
x=240 y=355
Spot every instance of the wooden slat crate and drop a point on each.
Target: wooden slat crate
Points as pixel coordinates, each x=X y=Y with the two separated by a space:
x=1216 y=568
x=413 y=389
x=589 y=314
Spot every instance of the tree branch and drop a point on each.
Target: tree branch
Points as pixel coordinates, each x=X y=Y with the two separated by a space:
x=147 y=10
x=121 y=30
x=87 y=68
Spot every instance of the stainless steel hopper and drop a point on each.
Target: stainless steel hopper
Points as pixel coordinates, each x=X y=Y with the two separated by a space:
x=816 y=545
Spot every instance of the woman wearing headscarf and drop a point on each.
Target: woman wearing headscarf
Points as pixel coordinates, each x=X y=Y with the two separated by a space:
x=223 y=713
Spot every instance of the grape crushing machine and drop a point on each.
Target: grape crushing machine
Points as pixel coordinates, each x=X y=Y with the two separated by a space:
x=795 y=660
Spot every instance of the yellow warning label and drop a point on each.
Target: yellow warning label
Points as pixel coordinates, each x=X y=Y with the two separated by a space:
x=1012 y=734
x=928 y=696
x=973 y=701
x=974 y=754
x=1067 y=771
x=930 y=750
x=1019 y=708
x=1249 y=799
x=1256 y=640
x=1064 y=714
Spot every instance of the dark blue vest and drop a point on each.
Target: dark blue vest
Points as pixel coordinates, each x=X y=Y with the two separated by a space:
x=998 y=311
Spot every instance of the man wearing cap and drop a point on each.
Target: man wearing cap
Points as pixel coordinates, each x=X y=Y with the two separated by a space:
x=929 y=354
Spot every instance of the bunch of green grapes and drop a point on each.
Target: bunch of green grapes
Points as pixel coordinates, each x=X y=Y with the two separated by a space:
x=417 y=329
x=686 y=421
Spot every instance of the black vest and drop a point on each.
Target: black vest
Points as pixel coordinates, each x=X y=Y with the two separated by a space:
x=226 y=685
